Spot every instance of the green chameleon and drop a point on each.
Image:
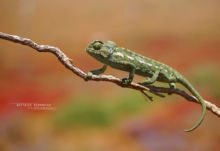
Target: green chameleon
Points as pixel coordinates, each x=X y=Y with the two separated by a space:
x=123 y=59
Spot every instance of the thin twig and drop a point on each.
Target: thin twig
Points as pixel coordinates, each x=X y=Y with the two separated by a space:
x=67 y=62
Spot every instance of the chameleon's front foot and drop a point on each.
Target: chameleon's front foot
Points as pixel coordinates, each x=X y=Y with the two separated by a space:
x=97 y=71
x=89 y=74
x=125 y=82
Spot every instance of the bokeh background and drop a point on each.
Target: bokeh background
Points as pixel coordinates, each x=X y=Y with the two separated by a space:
x=100 y=116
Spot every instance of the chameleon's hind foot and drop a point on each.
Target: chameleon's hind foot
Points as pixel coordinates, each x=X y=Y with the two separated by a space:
x=172 y=86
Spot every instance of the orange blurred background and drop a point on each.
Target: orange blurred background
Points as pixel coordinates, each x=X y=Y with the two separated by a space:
x=100 y=116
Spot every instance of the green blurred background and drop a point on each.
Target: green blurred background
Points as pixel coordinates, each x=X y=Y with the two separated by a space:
x=100 y=116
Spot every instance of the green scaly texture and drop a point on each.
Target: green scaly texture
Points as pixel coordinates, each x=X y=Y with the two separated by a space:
x=109 y=54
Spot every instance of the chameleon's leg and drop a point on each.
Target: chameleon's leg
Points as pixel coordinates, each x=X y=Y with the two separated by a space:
x=152 y=79
x=97 y=71
x=127 y=81
x=171 y=79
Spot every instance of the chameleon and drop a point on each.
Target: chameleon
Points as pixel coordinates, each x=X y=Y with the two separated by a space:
x=124 y=59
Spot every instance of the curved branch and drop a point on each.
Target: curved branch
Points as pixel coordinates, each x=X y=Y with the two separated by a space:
x=67 y=62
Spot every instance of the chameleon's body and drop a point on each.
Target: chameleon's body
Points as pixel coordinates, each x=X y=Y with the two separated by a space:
x=127 y=60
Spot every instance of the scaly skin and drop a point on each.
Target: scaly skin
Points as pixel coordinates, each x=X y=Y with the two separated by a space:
x=123 y=59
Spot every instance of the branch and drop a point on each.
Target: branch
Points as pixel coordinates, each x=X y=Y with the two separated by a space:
x=67 y=62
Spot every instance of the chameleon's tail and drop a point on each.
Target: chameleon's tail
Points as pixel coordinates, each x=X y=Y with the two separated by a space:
x=184 y=82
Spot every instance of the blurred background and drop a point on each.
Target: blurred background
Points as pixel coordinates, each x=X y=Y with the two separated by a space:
x=43 y=106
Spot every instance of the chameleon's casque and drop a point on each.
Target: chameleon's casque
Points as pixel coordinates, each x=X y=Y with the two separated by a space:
x=101 y=50
x=108 y=53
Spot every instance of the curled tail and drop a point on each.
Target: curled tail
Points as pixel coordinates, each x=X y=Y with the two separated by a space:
x=185 y=83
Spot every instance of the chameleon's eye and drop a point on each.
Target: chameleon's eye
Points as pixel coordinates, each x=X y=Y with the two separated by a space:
x=97 y=45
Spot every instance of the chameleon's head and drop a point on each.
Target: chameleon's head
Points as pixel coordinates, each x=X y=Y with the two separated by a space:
x=101 y=50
